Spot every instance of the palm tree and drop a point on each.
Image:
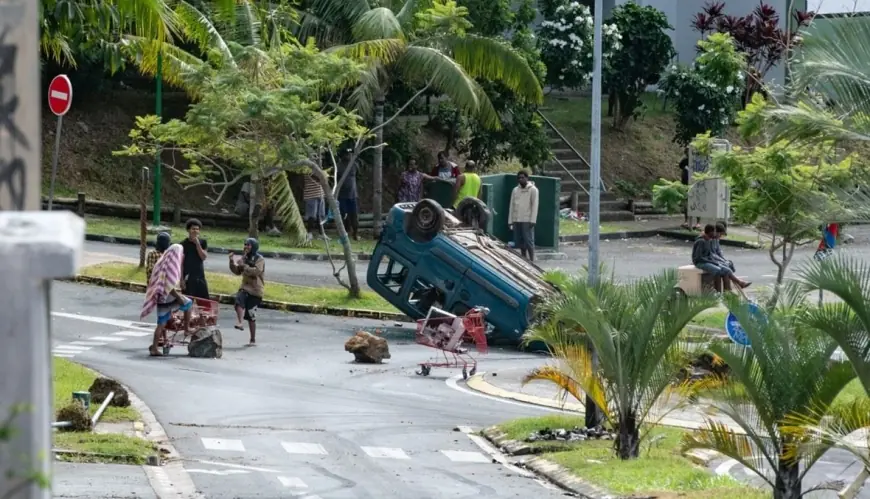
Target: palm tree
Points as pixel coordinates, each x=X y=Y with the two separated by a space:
x=424 y=43
x=634 y=328
x=788 y=370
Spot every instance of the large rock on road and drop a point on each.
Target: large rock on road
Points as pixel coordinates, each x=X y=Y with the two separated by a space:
x=367 y=348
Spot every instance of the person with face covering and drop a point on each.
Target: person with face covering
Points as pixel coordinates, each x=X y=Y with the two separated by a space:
x=160 y=247
x=251 y=266
x=163 y=295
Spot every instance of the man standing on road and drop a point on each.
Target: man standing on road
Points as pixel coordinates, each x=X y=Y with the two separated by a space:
x=347 y=194
x=315 y=209
x=194 y=255
x=523 y=214
x=467 y=184
x=251 y=266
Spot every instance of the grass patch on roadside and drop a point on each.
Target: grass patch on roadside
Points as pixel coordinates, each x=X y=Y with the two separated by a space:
x=753 y=240
x=714 y=319
x=660 y=469
x=112 y=447
x=71 y=377
x=221 y=238
x=575 y=227
x=229 y=284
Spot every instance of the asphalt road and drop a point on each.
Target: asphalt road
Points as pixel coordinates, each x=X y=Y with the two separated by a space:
x=627 y=258
x=294 y=414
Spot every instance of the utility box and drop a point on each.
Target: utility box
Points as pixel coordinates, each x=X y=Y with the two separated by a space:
x=710 y=199
x=699 y=163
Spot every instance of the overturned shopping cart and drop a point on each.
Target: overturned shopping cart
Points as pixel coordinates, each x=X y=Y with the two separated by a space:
x=454 y=336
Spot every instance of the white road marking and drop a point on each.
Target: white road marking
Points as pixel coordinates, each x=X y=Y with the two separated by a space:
x=134 y=334
x=63 y=355
x=452 y=383
x=223 y=444
x=88 y=343
x=303 y=448
x=236 y=466
x=72 y=348
x=219 y=472
x=460 y=456
x=293 y=481
x=724 y=468
x=385 y=452
x=99 y=320
x=107 y=338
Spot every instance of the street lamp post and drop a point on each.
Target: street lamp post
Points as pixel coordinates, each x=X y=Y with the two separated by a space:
x=158 y=180
x=593 y=413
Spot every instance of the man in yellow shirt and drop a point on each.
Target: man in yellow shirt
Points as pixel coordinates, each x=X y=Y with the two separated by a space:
x=467 y=184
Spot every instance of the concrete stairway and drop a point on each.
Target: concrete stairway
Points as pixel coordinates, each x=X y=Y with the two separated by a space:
x=570 y=167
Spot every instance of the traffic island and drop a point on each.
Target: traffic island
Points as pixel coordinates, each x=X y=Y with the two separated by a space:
x=588 y=467
x=283 y=297
x=113 y=439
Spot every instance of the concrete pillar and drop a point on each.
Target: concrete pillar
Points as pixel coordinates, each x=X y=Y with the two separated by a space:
x=35 y=247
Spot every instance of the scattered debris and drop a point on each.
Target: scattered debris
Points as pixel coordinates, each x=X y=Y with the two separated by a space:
x=705 y=366
x=100 y=389
x=576 y=434
x=206 y=343
x=76 y=414
x=367 y=348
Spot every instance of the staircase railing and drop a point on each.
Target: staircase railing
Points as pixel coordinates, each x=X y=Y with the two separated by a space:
x=563 y=139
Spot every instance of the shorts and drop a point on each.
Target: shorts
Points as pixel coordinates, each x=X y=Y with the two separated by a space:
x=165 y=310
x=347 y=206
x=315 y=209
x=250 y=303
x=716 y=270
x=196 y=286
x=524 y=235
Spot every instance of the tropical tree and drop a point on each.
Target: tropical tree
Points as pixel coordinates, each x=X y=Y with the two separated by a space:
x=788 y=370
x=634 y=328
x=425 y=43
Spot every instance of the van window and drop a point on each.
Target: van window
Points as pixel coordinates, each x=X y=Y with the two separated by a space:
x=424 y=295
x=392 y=274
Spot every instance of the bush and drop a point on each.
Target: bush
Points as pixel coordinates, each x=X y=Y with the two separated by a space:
x=707 y=94
x=565 y=41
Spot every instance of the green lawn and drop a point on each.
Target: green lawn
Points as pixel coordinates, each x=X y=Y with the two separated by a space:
x=714 y=319
x=732 y=236
x=229 y=284
x=221 y=238
x=574 y=227
x=71 y=377
x=660 y=469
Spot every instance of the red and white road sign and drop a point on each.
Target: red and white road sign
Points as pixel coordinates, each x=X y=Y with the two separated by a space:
x=60 y=95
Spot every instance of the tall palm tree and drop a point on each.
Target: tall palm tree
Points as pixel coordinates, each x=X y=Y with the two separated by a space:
x=424 y=43
x=788 y=370
x=634 y=328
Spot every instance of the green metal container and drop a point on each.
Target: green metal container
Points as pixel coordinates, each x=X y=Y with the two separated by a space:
x=84 y=398
x=547 y=226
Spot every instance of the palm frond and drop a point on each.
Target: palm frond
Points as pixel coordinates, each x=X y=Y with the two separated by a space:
x=832 y=426
x=740 y=448
x=383 y=51
x=280 y=196
x=491 y=59
x=409 y=8
x=363 y=97
x=198 y=28
x=377 y=24
x=150 y=19
x=341 y=11
x=178 y=65
x=420 y=65
x=249 y=20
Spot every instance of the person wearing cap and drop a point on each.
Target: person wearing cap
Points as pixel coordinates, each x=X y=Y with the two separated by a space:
x=251 y=266
x=160 y=246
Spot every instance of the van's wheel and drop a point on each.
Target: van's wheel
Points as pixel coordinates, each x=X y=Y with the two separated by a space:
x=473 y=212
x=427 y=219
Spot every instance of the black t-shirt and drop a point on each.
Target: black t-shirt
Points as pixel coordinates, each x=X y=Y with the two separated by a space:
x=684 y=174
x=193 y=267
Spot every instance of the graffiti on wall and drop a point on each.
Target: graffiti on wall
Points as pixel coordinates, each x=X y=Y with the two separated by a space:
x=13 y=141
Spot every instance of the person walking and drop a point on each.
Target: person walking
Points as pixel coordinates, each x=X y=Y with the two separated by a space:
x=347 y=194
x=163 y=295
x=315 y=209
x=523 y=214
x=160 y=246
x=195 y=254
x=467 y=184
x=252 y=267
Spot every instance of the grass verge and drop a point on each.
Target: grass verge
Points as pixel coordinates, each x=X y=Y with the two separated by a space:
x=229 y=284
x=88 y=446
x=574 y=227
x=660 y=471
x=221 y=238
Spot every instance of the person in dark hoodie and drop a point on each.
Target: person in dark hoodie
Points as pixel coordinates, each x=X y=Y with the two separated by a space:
x=160 y=246
x=704 y=258
x=251 y=266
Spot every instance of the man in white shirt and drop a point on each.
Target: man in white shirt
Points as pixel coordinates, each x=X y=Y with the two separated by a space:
x=523 y=215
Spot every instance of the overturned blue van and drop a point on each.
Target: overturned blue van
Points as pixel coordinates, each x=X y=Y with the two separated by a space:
x=426 y=257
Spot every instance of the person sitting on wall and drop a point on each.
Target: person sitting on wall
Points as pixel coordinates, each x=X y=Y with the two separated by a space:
x=705 y=259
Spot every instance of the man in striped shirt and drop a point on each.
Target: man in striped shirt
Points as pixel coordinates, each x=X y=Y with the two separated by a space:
x=315 y=210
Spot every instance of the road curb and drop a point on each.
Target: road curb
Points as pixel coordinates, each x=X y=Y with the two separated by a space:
x=701 y=457
x=605 y=236
x=266 y=304
x=675 y=234
x=508 y=446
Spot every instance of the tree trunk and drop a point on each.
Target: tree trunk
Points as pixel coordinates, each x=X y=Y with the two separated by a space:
x=612 y=100
x=353 y=283
x=628 y=438
x=377 y=168
x=788 y=483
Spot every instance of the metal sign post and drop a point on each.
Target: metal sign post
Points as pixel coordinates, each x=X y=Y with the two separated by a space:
x=59 y=101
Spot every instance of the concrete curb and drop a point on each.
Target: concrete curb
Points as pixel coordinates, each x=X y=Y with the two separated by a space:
x=267 y=304
x=605 y=236
x=701 y=457
x=279 y=255
x=675 y=234
x=551 y=471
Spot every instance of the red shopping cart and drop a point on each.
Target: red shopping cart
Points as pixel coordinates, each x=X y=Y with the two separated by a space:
x=203 y=314
x=448 y=334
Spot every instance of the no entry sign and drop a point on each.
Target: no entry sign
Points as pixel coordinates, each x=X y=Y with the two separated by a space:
x=60 y=95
